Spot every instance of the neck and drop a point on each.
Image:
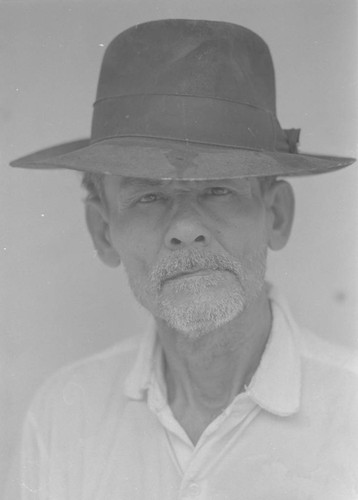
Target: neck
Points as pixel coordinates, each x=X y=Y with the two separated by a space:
x=203 y=376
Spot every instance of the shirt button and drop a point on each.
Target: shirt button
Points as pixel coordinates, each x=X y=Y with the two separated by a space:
x=194 y=490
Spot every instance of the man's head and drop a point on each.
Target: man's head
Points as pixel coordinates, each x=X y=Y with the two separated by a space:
x=194 y=251
x=181 y=167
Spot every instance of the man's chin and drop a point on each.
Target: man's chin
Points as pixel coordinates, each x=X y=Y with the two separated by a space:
x=195 y=316
x=196 y=328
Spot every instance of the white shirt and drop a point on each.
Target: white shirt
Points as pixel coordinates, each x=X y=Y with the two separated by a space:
x=102 y=429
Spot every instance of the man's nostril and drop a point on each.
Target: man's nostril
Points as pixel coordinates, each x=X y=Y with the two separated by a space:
x=200 y=238
x=176 y=241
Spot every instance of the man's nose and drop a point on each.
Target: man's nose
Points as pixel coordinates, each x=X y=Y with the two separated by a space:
x=187 y=230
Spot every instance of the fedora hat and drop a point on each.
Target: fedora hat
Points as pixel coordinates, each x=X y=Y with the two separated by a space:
x=186 y=99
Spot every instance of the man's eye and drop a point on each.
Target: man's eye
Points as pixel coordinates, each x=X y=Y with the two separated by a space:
x=149 y=198
x=218 y=191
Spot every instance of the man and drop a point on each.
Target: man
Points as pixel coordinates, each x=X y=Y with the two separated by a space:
x=224 y=397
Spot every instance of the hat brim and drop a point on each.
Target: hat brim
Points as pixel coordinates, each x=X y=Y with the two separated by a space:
x=169 y=159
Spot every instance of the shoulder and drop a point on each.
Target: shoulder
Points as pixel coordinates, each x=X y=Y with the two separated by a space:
x=312 y=348
x=329 y=371
x=334 y=356
x=329 y=381
x=84 y=389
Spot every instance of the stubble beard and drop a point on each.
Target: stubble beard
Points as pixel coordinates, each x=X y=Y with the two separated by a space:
x=195 y=306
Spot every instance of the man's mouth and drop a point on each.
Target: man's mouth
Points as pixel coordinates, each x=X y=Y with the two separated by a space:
x=201 y=272
x=194 y=273
x=194 y=266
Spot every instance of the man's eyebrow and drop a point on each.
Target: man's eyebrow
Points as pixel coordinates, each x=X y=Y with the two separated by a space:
x=138 y=182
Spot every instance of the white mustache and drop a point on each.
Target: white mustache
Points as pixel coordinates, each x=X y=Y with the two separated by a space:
x=186 y=261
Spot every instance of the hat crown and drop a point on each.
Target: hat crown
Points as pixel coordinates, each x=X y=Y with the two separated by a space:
x=189 y=57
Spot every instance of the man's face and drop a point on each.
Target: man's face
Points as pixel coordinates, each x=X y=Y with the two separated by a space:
x=194 y=251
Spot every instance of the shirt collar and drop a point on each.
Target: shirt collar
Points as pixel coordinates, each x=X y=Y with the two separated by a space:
x=276 y=384
x=138 y=379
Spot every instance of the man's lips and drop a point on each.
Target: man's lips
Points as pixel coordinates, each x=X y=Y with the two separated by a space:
x=202 y=272
x=194 y=273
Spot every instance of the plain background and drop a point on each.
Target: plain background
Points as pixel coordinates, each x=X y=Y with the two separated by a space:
x=58 y=301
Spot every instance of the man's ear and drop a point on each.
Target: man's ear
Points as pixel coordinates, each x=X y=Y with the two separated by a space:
x=280 y=203
x=98 y=226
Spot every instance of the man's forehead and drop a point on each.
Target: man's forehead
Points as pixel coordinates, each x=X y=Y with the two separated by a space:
x=138 y=182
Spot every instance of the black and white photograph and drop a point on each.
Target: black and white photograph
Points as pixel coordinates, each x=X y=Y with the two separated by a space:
x=179 y=250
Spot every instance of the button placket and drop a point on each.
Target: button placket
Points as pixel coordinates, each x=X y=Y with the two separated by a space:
x=194 y=490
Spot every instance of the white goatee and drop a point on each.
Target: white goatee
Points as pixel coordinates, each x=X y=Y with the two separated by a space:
x=196 y=304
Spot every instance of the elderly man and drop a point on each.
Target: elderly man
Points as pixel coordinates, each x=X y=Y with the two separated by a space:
x=224 y=397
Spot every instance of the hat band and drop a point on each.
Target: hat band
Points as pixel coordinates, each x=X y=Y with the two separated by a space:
x=186 y=118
